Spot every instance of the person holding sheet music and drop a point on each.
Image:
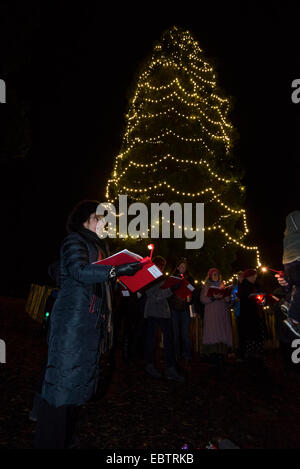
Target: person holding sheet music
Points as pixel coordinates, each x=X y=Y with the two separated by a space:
x=158 y=315
x=217 y=328
x=181 y=318
x=80 y=321
x=252 y=323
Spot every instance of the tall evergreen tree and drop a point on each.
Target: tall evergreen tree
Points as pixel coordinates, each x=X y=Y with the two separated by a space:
x=177 y=147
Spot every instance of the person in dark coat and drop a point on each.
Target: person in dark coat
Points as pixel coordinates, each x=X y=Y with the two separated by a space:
x=252 y=325
x=284 y=335
x=158 y=315
x=130 y=315
x=53 y=271
x=80 y=318
x=180 y=314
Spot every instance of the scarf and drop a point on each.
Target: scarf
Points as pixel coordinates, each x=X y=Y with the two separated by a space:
x=102 y=291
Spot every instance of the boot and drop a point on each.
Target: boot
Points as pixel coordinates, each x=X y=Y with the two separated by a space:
x=152 y=371
x=172 y=374
x=185 y=366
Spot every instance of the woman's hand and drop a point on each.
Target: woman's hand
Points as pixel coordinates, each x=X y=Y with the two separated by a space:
x=281 y=280
x=218 y=296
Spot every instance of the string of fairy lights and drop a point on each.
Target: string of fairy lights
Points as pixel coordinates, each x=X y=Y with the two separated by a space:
x=176 y=160
x=149 y=116
x=180 y=54
x=218 y=227
x=133 y=114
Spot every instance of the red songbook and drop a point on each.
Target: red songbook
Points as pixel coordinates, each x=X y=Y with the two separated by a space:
x=183 y=291
x=147 y=274
x=224 y=291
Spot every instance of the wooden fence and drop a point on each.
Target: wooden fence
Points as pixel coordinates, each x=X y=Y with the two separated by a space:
x=36 y=301
x=270 y=343
x=38 y=295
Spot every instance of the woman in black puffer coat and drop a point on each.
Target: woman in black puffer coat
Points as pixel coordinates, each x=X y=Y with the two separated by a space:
x=252 y=323
x=80 y=317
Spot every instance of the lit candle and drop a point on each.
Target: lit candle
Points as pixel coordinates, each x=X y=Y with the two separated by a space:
x=280 y=272
x=151 y=247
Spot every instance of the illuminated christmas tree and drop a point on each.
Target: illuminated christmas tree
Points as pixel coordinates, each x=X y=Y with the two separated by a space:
x=177 y=147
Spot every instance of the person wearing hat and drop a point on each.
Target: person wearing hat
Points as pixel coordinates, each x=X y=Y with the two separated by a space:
x=252 y=326
x=217 y=329
x=81 y=317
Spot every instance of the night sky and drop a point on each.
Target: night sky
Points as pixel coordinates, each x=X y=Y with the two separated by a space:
x=82 y=62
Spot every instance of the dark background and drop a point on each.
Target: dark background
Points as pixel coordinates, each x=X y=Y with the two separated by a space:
x=71 y=69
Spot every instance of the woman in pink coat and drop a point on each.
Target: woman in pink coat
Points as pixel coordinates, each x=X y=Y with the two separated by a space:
x=217 y=329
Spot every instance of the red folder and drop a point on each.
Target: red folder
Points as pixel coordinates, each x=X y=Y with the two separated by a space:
x=148 y=273
x=183 y=291
x=225 y=291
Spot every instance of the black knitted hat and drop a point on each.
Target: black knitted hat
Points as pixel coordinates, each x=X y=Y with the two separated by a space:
x=80 y=214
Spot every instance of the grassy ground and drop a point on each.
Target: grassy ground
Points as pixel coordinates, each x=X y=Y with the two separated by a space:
x=133 y=411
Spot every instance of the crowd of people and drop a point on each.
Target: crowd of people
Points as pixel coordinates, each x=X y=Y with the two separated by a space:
x=162 y=308
x=85 y=311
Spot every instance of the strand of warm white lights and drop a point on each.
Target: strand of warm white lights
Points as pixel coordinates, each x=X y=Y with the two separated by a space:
x=213 y=228
x=172 y=109
x=210 y=228
x=180 y=98
x=154 y=62
x=173 y=64
x=131 y=128
x=173 y=189
x=200 y=98
x=170 y=132
x=225 y=139
x=232 y=211
x=175 y=81
x=157 y=140
x=177 y=160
